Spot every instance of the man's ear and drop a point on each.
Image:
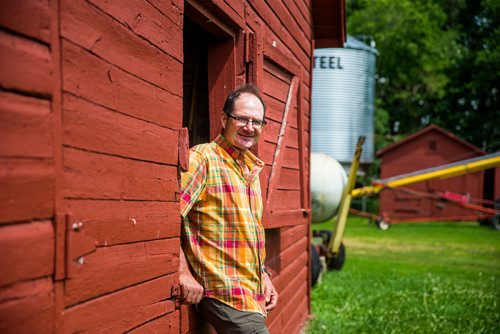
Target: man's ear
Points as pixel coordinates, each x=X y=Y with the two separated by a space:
x=223 y=119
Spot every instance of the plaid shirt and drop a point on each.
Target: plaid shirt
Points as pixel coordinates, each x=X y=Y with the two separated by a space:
x=223 y=237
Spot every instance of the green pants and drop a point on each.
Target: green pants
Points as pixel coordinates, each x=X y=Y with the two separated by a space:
x=227 y=320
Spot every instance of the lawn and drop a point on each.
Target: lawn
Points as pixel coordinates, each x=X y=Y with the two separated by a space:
x=413 y=278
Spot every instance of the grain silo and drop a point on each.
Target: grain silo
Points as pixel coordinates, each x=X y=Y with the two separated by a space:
x=343 y=100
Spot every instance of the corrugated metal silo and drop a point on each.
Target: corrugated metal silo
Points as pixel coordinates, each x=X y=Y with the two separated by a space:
x=343 y=101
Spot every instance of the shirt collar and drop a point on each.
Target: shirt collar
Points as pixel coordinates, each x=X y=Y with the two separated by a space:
x=230 y=149
x=237 y=154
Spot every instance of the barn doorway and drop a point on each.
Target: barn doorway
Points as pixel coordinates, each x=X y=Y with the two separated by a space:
x=195 y=83
x=489 y=184
x=210 y=61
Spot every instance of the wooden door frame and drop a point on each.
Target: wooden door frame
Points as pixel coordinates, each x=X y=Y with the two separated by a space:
x=225 y=60
x=225 y=57
x=261 y=47
x=280 y=218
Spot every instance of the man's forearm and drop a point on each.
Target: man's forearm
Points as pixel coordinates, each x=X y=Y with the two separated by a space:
x=191 y=290
x=183 y=264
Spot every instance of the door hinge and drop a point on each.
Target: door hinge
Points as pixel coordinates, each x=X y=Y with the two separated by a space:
x=78 y=244
x=183 y=149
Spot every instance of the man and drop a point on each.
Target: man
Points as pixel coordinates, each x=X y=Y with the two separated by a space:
x=223 y=247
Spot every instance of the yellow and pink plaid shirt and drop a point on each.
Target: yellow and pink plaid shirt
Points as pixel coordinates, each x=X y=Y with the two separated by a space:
x=223 y=238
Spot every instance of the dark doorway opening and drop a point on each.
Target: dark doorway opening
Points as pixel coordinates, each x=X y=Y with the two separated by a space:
x=195 y=83
x=489 y=184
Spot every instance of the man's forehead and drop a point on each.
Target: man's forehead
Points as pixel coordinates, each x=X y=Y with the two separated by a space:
x=246 y=95
x=248 y=98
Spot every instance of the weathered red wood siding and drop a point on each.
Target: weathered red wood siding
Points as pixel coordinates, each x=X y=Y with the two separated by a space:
x=91 y=107
x=433 y=148
x=284 y=34
x=121 y=115
x=27 y=177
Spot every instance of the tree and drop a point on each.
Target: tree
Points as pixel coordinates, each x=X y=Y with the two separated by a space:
x=439 y=62
x=471 y=108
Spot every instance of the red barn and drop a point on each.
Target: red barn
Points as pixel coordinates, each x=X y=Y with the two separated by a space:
x=94 y=98
x=430 y=147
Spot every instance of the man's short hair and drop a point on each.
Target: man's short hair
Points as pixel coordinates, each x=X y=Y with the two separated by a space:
x=233 y=96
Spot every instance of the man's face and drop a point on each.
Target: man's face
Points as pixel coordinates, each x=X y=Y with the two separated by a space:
x=240 y=135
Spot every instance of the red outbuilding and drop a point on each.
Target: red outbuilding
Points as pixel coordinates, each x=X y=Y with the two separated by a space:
x=430 y=147
x=98 y=99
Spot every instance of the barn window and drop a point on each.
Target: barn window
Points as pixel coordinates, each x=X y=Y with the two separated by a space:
x=195 y=83
x=432 y=145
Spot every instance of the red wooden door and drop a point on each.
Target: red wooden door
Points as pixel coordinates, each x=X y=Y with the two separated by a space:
x=121 y=114
x=283 y=146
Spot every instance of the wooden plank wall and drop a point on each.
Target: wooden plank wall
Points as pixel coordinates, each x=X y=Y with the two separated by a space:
x=286 y=32
x=27 y=178
x=122 y=112
x=90 y=112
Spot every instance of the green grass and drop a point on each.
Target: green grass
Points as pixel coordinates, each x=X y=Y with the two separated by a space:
x=413 y=278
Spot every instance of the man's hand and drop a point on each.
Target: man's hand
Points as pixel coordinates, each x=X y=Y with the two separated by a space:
x=191 y=290
x=270 y=293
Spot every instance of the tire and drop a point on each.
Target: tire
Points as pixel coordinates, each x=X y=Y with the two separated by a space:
x=315 y=266
x=382 y=224
x=337 y=262
x=495 y=222
x=325 y=235
x=485 y=222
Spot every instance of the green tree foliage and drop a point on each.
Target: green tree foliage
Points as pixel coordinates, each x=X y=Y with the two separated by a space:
x=471 y=107
x=439 y=62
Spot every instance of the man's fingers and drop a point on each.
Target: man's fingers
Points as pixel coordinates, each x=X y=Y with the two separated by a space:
x=182 y=296
x=198 y=298
x=189 y=297
x=273 y=300
x=190 y=294
x=268 y=287
x=267 y=291
x=185 y=295
x=272 y=303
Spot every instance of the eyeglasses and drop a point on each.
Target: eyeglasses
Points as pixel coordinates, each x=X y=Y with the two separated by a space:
x=242 y=121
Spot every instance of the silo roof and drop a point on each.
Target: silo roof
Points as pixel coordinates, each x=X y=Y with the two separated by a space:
x=353 y=43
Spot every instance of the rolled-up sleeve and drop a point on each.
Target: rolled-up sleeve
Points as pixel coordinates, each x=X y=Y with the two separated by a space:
x=192 y=182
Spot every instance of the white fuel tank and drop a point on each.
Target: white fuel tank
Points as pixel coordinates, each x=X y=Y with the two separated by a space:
x=328 y=180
